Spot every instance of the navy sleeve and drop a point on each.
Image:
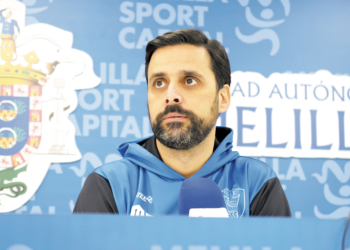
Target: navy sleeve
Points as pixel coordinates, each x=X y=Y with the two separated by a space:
x=96 y=196
x=270 y=200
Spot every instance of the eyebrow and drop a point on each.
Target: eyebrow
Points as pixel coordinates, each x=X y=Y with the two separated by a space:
x=184 y=72
x=192 y=73
x=156 y=75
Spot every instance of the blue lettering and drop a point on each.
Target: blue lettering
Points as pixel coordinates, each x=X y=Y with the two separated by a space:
x=269 y=131
x=314 y=133
x=295 y=91
x=297 y=128
x=257 y=87
x=306 y=85
x=241 y=126
x=324 y=87
x=334 y=90
x=223 y=119
x=240 y=89
x=273 y=91
x=341 y=131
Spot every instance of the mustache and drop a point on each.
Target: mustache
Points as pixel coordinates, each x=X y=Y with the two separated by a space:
x=174 y=109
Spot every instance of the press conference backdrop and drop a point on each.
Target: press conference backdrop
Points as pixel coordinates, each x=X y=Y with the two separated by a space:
x=290 y=92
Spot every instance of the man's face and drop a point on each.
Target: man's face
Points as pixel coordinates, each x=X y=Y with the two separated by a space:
x=183 y=101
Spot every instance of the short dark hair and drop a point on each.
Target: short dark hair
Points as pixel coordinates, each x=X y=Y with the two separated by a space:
x=219 y=60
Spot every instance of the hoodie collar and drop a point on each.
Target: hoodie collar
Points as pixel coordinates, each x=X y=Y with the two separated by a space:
x=139 y=155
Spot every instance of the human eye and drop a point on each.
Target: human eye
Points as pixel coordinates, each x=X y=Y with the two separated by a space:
x=190 y=81
x=159 y=83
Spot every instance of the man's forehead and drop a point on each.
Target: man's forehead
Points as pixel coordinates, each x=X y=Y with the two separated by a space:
x=184 y=58
x=180 y=50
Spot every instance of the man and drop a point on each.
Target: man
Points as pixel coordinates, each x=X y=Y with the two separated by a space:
x=188 y=80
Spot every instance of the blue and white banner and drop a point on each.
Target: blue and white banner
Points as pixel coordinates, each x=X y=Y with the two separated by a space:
x=291 y=115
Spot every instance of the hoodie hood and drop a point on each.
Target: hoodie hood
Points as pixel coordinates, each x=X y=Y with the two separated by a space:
x=223 y=154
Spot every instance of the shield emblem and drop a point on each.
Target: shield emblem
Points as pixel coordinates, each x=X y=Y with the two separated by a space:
x=20 y=123
x=235 y=202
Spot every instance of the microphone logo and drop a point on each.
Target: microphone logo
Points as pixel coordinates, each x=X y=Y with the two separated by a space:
x=235 y=202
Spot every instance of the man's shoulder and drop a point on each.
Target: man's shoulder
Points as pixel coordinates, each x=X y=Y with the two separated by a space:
x=251 y=161
x=118 y=168
x=255 y=167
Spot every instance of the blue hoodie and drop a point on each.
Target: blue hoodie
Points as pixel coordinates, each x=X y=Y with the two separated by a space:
x=144 y=185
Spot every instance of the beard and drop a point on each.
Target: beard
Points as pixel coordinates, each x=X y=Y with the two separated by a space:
x=177 y=135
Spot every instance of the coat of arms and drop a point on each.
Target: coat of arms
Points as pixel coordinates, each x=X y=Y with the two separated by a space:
x=39 y=73
x=235 y=202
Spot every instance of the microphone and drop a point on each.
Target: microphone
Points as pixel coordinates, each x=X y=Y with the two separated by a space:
x=201 y=197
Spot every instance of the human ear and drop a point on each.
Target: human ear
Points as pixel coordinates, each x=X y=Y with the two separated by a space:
x=224 y=98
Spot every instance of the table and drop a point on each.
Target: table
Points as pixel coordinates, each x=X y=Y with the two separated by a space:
x=85 y=231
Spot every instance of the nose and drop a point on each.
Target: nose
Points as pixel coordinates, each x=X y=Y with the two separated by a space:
x=173 y=95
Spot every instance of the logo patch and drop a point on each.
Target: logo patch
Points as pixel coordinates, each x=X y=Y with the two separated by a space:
x=235 y=202
x=144 y=198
